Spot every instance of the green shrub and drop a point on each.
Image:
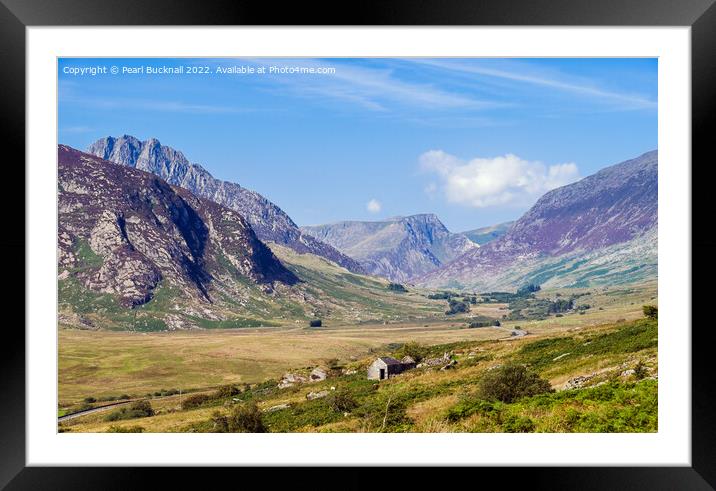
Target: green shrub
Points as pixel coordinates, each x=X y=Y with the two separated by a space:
x=125 y=429
x=518 y=424
x=138 y=409
x=195 y=400
x=527 y=289
x=457 y=307
x=412 y=349
x=651 y=312
x=226 y=391
x=496 y=323
x=511 y=382
x=640 y=370
x=89 y=400
x=341 y=401
x=220 y=423
x=560 y=305
x=397 y=287
x=246 y=418
x=475 y=324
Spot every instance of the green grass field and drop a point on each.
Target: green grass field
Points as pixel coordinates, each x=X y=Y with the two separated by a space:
x=603 y=342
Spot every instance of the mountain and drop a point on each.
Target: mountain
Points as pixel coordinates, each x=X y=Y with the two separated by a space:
x=601 y=229
x=136 y=253
x=482 y=236
x=398 y=248
x=270 y=223
x=124 y=232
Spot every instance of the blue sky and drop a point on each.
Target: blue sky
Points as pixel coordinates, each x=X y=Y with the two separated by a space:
x=476 y=141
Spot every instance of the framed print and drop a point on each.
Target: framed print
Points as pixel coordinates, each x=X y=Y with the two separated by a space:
x=451 y=232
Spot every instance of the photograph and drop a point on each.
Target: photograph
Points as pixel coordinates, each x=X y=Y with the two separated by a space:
x=357 y=245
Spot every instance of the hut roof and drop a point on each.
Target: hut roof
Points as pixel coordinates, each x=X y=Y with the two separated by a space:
x=389 y=361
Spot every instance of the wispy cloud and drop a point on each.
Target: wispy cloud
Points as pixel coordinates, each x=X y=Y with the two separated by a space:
x=67 y=94
x=527 y=75
x=377 y=89
x=499 y=181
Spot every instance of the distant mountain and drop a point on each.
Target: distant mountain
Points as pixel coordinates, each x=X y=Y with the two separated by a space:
x=268 y=220
x=399 y=248
x=601 y=229
x=125 y=232
x=482 y=236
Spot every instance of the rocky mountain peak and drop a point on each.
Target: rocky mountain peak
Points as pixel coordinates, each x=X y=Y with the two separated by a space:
x=268 y=221
x=124 y=232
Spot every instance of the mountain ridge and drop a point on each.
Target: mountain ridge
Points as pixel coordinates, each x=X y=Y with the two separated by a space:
x=617 y=205
x=268 y=220
x=397 y=248
x=123 y=231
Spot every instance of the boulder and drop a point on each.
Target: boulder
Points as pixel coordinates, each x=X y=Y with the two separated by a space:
x=318 y=374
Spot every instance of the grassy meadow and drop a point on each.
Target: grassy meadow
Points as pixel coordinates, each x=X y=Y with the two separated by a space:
x=602 y=342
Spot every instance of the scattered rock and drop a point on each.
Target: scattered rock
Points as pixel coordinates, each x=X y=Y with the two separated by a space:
x=628 y=373
x=277 y=408
x=318 y=374
x=316 y=395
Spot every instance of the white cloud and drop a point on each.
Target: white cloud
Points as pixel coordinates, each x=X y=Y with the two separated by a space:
x=373 y=206
x=505 y=180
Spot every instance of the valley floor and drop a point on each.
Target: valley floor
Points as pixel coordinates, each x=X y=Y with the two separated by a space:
x=601 y=344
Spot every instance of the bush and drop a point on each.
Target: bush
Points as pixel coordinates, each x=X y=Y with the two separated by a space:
x=125 y=429
x=89 y=400
x=651 y=311
x=496 y=323
x=518 y=424
x=414 y=350
x=139 y=409
x=457 y=307
x=511 y=382
x=220 y=422
x=315 y=323
x=527 y=289
x=194 y=401
x=560 y=305
x=475 y=324
x=640 y=370
x=226 y=391
x=397 y=287
x=246 y=418
x=341 y=401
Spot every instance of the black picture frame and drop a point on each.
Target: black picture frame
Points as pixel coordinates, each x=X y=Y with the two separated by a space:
x=700 y=15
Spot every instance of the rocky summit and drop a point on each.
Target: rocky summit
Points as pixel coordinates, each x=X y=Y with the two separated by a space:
x=270 y=223
x=124 y=232
x=399 y=248
x=601 y=229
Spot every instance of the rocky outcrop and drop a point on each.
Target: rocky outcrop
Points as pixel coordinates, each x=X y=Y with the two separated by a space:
x=123 y=231
x=268 y=221
x=399 y=248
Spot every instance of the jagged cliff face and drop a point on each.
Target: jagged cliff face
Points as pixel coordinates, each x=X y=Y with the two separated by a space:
x=268 y=221
x=586 y=223
x=124 y=231
x=399 y=249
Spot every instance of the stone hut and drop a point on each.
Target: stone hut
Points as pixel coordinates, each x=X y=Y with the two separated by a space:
x=386 y=367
